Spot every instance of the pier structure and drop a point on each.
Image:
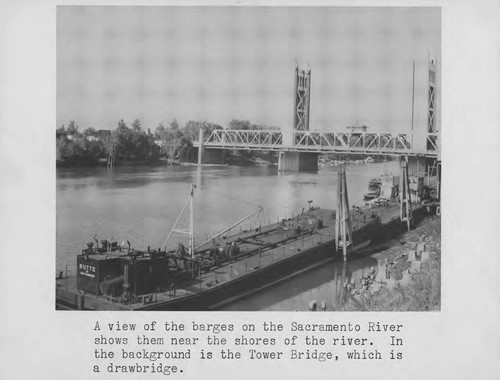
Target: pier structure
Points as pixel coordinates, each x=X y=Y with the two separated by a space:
x=343 y=224
x=208 y=156
x=405 y=196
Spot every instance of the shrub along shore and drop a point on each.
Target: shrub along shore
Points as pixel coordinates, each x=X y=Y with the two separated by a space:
x=133 y=145
x=408 y=277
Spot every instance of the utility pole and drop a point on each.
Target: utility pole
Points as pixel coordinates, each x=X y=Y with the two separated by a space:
x=191 y=230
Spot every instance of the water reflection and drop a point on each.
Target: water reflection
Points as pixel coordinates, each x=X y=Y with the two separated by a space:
x=140 y=204
x=324 y=284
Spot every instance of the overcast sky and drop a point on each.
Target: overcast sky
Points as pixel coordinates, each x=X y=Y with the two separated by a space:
x=220 y=63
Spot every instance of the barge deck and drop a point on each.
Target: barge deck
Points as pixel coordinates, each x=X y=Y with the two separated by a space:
x=267 y=255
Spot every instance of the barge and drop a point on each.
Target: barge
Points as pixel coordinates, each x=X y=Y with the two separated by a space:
x=108 y=279
x=225 y=268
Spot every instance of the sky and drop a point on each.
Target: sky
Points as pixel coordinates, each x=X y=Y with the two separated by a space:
x=157 y=64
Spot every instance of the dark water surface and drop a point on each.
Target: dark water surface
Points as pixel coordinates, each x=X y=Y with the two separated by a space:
x=141 y=204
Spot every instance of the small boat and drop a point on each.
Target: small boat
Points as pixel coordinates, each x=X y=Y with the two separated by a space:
x=374 y=188
x=375 y=182
x=372 y=194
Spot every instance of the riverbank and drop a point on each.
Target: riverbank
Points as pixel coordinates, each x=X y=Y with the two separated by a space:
x=408 y=277
x=262 y=159
x=104 y=163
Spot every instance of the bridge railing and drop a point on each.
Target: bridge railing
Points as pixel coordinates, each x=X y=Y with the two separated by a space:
x=318 y=141
x=245 y=138
x=432 y=142
x=376 y=142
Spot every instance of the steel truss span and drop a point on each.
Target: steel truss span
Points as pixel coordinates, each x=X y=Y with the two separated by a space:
x=369 y=142
x=245 y=139
x=376 y=143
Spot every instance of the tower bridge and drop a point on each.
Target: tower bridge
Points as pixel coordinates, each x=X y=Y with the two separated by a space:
x=314 y=141
x=300 y=146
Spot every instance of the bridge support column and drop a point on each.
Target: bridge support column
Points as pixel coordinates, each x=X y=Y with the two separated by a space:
x=201 y=148
x=209 y=156
x=308 y=162
x=405 y=211
x=416 y=166
x=288 y=161
x=295 y=161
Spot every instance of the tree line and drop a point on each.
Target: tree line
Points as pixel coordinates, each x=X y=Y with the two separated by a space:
x=133 y=145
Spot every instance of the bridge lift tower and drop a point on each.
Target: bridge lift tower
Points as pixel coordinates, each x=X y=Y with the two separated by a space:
x=426 y=123
x=425 y=163
x=292 y=160
x=302 y=99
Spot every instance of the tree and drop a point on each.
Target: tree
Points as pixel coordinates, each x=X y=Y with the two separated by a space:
x=121 y=124
x=264 y=127
x=133 y=144
x=171 y=139
x=72 y=128
x=240 y=124
x=61 y=149
x=136 y=125
x=174 y=125
x=192 y=129
x=90 y=132
x=61 y=132
x=160 y=131
x=210 y=127
x=185 y=149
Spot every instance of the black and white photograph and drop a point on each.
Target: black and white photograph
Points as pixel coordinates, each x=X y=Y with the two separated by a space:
x=245 y=189
x=248 y=158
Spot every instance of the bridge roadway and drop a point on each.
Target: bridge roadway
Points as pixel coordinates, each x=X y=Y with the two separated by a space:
x=374 y=143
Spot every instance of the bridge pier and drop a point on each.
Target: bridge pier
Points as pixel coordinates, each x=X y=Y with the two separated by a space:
x=297 y=161
x=288 y=161
x=209 y=156
x=417 y=166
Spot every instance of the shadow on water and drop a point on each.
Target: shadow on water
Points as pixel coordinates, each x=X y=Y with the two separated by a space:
x=126 y=177
x=121 y=177
x=141 y=203
x=325 y=283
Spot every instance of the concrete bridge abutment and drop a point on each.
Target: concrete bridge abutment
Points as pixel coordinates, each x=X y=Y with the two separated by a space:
x=297 y=161
x=212 y=156
x=209 y=156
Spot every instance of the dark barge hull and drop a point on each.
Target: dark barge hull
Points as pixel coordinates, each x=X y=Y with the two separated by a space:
x=260 y=279
x=248 y=283
x=240 y=286
x=234 y=289
x=376 y=230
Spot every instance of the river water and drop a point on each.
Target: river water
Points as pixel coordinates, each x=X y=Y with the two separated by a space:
x=140 y=204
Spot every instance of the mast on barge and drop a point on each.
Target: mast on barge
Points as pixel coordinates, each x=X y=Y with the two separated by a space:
x=190 y=230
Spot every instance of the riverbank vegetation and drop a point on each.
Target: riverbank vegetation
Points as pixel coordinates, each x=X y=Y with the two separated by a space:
x=423 y=290
x=134 y=145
